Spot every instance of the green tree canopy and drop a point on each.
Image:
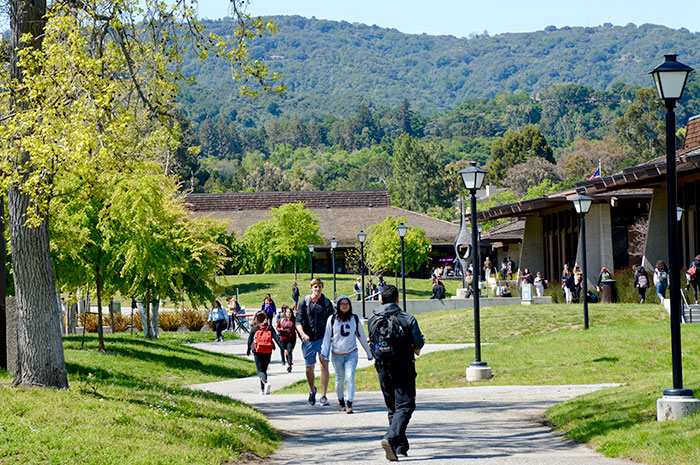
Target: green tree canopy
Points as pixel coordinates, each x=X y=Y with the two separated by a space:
x=515 y=148
x=383 y=246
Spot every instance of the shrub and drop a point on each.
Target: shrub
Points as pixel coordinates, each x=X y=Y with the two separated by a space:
x=137 y=321
x=89 y=322
x=121 y=322
x=192 y=318
x=169 y=321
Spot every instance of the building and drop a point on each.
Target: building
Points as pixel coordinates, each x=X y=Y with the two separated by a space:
x=341 y=215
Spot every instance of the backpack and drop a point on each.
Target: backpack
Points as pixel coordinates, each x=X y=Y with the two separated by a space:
x=388 y=339
x=263 y=340
x=692 y=272
x=642 y=281
x=663 y=276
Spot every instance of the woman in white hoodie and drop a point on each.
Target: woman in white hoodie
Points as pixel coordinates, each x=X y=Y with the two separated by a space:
x=343 y=329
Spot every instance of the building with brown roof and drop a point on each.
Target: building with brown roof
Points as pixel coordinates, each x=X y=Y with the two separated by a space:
x=341 y=215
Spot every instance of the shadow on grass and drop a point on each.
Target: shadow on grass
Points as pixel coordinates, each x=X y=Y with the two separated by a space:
x=245 y=288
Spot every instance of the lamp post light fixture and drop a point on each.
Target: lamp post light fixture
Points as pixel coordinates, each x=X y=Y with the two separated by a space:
x=679 y=213
x=311 y=260
x=362 y=236
x=402 y=229
x=582 y=204
x=670 y=78
x=334 y=244
x=473 y=178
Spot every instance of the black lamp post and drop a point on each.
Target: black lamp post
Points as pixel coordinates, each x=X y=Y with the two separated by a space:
x=473 y=178
x=402 y=229
x=334 y=244
x=670 y=78
x=311 y=260
x=582 y=204
x=361 y=236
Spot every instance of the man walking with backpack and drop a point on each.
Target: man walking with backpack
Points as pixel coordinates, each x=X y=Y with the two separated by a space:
x=395 y=339
x=312 y=315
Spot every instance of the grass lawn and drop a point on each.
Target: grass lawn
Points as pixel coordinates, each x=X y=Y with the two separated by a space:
x=545 y=344
x=129 y=406
x=253 y=287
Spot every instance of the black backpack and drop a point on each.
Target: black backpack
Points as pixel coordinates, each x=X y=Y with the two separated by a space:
x=388 y=339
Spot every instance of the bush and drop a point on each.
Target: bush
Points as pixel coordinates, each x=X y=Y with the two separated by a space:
x=192 y=318
x=169 y=321
x=121 y=322
x=89 y=322
x=137 y=321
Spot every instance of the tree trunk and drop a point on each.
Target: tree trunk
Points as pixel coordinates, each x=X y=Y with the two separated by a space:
x=142 y=314
x=70 y=323
x=147 y=329
x=155 y=305
x=40 y=360
x=111 y=313
x=100 y=332
x=39 y=342
x=3 y=290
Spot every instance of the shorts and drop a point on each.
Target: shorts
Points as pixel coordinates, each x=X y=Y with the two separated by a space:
x=310 y=349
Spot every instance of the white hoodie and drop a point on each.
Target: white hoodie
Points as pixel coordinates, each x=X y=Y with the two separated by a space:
x=342 y=337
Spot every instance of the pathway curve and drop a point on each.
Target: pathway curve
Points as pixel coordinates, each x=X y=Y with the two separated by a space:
x=472 y=425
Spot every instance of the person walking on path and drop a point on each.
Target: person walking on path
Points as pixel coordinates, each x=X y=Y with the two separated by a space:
x=357 y=289
x=661 y=280
x=286 y=327
x=295 y=293
x=268 y=306
x=217 y=315
x=692 y=274
x=343 y=329
x=395 y=339
x=567 y=283
x=260 y=343
x=539 y=284
x=641 y=282
x=314 y=310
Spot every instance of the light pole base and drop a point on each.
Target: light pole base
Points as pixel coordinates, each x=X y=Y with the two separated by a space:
x=673 y=407
x=478 y=371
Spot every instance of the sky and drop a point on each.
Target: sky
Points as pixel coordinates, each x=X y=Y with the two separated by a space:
x=462 y=18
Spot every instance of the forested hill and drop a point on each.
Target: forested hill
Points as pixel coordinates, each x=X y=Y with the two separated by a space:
x=331 y=67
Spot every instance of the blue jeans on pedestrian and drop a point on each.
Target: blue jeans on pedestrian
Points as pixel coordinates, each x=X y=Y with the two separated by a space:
x=661 y=290
x=345 y=366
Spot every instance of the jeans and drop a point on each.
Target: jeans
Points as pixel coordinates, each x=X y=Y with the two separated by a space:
x=345 y=366
x=398 y=382
x=661 y=290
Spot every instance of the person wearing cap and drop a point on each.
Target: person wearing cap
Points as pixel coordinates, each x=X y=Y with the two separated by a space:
x=343 y=329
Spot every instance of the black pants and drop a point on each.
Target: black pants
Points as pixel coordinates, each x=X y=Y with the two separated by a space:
x=398 y=382
x=642 y=292
x=289 y=347
x=219 y=326
x=262 y=361
x=695 y=290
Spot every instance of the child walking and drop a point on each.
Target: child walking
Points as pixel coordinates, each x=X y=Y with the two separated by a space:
x=343 y=329
x=260 y=343
x=287 y=329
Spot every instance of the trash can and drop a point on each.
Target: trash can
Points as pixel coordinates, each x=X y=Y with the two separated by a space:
x=526 y=294
x=607 y=291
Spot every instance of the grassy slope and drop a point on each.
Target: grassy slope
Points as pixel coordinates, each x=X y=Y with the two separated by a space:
x=129 y=406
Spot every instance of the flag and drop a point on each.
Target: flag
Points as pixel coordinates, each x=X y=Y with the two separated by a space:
x=596 y=173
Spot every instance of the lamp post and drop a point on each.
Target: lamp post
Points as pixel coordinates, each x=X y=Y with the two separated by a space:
x=670 y=78
x=361 y=236
x=334 y=244
x=402 y=229
x=582 y=204
x=473 y=178
x=311 y=260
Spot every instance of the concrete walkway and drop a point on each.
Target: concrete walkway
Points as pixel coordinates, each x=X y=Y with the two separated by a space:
x=472 y=425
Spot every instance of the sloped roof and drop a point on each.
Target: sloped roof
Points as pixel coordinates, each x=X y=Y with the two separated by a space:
x=692 y=135
x=512 y=230
x=341 y=214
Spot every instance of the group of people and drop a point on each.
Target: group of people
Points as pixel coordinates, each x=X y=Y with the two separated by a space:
x=332 y=332
x=224 y=318
x=372 y=290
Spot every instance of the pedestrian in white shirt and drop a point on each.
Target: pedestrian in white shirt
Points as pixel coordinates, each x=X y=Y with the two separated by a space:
x=343 y=329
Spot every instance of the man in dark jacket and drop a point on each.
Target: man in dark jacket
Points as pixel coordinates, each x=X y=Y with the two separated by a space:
x=396 y=372
x=312 y=314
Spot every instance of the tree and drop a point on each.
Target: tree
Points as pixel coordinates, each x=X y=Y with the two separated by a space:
x=75 y=74
x=641 y=129
x=383 y=246
x=530 y=173
x=417 y=182
x=266 y=178
x=515 y=148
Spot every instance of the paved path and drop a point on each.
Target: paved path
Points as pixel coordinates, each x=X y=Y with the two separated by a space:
x=474 y=425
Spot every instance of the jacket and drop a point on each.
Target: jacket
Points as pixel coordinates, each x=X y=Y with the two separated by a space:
x=406 y=320
x=312 y=316
x=251 y=339
x=287 y=329
x=216 y=314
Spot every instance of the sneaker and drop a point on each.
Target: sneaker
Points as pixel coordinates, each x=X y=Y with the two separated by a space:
x=289 y=369
x=389 y=451
x=348 y=408
x=262 y=392
x=400 y=451
x=312 y=396
x=268 y=386
x=324 y=401
x=341 y=405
